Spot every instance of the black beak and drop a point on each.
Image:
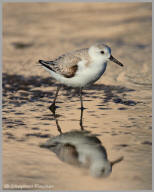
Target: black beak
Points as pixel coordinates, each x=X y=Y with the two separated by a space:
x=115 y=61
x=116 y=161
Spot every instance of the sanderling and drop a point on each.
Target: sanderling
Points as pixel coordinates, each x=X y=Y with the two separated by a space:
x=79 y=68
x=82 y=149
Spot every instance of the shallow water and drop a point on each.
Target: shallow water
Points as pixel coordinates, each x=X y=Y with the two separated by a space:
x=118 y=106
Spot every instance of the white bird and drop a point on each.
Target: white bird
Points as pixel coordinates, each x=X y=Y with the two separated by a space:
x=82 y=149
x=79 y=68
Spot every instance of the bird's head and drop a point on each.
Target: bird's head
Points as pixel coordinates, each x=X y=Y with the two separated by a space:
x=103 y=168
x=102 y=52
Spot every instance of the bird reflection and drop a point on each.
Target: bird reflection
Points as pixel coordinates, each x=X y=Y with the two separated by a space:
x=82 y=149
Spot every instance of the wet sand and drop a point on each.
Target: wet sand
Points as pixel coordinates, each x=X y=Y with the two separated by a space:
x=118 y=105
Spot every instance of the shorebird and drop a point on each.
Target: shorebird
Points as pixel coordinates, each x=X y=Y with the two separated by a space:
x=79 y=68
x=82 y=149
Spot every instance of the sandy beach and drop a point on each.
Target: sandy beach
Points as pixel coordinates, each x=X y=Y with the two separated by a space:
x=118 y=106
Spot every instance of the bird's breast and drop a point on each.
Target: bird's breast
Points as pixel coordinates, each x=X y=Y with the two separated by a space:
x=93 y=73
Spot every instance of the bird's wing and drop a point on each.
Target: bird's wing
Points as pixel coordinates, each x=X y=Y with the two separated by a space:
x=68 y=154
x=66 y=151
x=67 y=64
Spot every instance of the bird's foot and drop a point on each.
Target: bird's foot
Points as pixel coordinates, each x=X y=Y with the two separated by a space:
x=82 y=108
x=52 y=107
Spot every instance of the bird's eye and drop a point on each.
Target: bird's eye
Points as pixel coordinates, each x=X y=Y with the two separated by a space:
x=102 y=52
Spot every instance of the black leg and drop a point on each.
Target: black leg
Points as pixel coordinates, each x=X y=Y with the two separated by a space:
x=81 y=99
x=82 y=108
x=53 y=105
x=53 y=110
x=81 y=120
x=57 y=124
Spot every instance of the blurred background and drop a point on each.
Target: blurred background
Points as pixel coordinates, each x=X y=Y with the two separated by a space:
x=118 y=106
